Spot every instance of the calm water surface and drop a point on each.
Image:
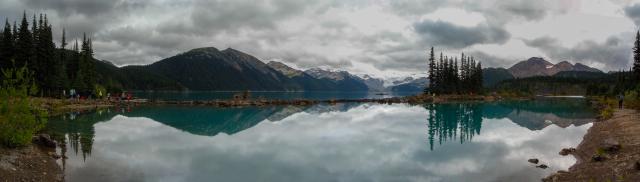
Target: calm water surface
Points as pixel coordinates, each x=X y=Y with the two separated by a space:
x=212 y=95
x=344 y=142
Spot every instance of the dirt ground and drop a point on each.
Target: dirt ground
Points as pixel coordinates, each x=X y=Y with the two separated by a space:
x=620 y=165
x=31 y=163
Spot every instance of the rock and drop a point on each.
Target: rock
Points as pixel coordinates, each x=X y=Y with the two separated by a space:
x=542 y=166
x=566 y=151
x=611 y=146
x=54 y=155
x=562 y=171
x=534 y=160
x=46 y=141
x=597 y=158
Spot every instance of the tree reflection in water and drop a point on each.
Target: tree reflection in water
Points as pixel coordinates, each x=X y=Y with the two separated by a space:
x=450 y=121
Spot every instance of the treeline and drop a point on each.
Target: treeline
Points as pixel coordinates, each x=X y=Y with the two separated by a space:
x=446 y=76
x=54 y=69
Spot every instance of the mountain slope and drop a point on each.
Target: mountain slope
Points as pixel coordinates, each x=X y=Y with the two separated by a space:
x=493 y=76
x=412 y=85
x=308 y=82
x=211 y=69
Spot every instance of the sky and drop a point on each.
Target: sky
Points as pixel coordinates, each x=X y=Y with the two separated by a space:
x=383 y=38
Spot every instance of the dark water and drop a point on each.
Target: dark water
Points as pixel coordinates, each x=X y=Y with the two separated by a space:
x=344 y=142
x=209 y=95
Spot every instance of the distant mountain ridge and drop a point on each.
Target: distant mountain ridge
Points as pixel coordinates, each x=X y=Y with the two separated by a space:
x=537 y=66
x=228 y=70
x=231 y=70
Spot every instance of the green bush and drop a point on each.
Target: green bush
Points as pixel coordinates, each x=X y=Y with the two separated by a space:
x=632 y=98
x=19 y=119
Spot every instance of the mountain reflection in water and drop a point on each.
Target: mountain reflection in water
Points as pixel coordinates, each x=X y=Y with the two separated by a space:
x=443 y=123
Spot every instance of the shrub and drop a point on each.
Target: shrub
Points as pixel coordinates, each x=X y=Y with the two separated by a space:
x=19 y=119
x=632 y=99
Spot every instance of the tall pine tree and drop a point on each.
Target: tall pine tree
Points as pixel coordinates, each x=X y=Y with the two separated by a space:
x=636 y=57
x=432 y=65
x=7 y=46
x=24 y=43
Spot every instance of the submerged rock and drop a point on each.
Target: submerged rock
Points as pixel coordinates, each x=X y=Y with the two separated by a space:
x=566 y=151
x=542 y=166
x=534 y=160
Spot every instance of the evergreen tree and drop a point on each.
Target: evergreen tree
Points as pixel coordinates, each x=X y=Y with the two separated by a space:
x=7 y=46
x=432 y=69
x=62 y=62
x=636 y=57
x=453 y=77
x=24 y=43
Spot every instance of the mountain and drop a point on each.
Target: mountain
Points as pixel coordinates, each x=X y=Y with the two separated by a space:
x=308 y=82
x=537 y=66
x=228 y=70
x=492 y=76
x=411 y=85
x=374 y=84
x=344 y=81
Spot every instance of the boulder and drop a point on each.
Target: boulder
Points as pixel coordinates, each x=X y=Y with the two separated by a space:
x=542 y=166
x=535 y=161
x=566 y=151
x=45 y=140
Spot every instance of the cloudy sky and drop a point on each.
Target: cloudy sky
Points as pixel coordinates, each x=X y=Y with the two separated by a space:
x=385 y=38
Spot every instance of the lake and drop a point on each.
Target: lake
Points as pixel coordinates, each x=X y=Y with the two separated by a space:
x=313 y=95
x=342 y=142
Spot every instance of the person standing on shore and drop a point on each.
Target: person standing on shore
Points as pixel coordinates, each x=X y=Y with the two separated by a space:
x=620 y=100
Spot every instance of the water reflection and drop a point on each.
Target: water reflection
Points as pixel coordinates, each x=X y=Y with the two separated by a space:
x=448 y=121
x=343 y=142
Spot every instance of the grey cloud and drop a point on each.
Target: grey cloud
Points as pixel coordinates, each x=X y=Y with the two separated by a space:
x=613 y=54
x=529 y=10
x=307 y=60
x=208 y=17
x=633 y=12
x=69 y=7
x=416 y=7
x=439 y=33
x=411 y=60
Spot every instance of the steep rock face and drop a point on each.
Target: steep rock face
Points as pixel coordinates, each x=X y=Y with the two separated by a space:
x=536 y=66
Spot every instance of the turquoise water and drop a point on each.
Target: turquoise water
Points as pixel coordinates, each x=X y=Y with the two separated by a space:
x=209 y=95
x=343 y=142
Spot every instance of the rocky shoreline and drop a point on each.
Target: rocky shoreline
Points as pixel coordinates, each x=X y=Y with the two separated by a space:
x=35 y=162
x=610 y=151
